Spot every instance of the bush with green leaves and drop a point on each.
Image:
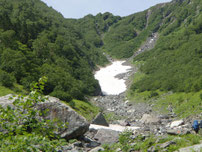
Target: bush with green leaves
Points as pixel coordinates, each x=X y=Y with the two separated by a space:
x=23 y=127
x=6 y=79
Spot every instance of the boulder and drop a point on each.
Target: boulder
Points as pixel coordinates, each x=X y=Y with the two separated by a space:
x=173 y=131
x=77 y=125
x=176 y=123
x=97 y=149
x=178 y=131
x=149 y=119
x=167 y=144
x=5 y=100
x=196 y=148
x=92 y=144
x=105 y=136
x=124 y=123
x=100 y=120
x=78 y=144
x=151 y=149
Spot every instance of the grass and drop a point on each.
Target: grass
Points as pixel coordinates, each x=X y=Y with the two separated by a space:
x=111 y=116
x=142 y=144
x=183 y=104
x=85 y=109
x=4 y=91
x=16 y=89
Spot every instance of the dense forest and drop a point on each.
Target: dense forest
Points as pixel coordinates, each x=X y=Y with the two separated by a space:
x=36 y=41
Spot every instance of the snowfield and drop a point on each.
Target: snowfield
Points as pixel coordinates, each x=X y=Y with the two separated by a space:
x=106 y=77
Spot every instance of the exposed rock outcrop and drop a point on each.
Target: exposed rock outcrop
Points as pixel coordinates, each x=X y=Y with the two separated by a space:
x=100 y=120
x=77 y=125
x=105 y=136
x=196 y=148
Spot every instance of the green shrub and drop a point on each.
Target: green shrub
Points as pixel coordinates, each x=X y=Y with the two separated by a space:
x=153 y=94
x=23 y=127
x=201 y=96
x=7 y=79
x=61 y=95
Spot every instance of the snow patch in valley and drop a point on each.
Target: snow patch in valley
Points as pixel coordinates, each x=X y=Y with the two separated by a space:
x=113 y=127
x=109 y=84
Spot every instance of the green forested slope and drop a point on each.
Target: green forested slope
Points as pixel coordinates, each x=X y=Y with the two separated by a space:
x=126 y=36
x=176 y=61
x=36 y=41
x=171 y=73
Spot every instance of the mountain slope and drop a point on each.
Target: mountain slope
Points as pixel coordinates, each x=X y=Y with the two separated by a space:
x=170 y=74
x=175 y=63
x=36 y=41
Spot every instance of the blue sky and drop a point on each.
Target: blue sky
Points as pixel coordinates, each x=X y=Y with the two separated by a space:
x=81 y=8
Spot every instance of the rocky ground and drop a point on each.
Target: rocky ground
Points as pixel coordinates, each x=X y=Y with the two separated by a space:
x=125 y=113
x=120 y=112
x=118 y=104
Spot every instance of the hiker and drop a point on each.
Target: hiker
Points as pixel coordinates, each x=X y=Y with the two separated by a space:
x=195 y=126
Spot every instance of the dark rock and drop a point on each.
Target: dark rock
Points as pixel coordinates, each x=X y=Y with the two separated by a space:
x=78 y=144
x=66 y=148
x=167 y=144
x=93 y=144
x=85 y=139
x=97 y=149
x=100 y=120
x=105 y=136
x=151 y=149
x=146 y=128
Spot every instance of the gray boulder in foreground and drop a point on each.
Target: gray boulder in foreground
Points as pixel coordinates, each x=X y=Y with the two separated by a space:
x=105 y=136
x=77 y=125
